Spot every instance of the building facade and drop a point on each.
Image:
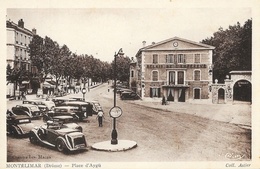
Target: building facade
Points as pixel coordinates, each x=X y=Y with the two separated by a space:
x=18 y=40
x=176 y=68
x=237 y=87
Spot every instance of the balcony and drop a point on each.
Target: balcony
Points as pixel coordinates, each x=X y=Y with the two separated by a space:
x=168 y=84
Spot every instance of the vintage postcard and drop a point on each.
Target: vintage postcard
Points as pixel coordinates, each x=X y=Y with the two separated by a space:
x=128 y=84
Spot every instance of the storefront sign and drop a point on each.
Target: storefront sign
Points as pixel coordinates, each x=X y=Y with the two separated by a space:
x=178 y=66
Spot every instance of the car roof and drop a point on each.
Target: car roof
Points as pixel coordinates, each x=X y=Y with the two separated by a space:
x=33 y=100
x=62 y=117
x=17 y=117
x=65 y=107
x=77 y=102
x=62 y=98
x=27 y=105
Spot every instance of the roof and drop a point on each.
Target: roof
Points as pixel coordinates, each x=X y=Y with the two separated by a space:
x=11 y=24
x=176 y=39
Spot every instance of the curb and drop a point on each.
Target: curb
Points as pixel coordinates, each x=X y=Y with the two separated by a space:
x=122 y=145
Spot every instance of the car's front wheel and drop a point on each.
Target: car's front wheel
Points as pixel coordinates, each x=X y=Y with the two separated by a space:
x=60 y=146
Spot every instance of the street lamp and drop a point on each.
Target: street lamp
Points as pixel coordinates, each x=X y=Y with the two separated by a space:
x=114 y=132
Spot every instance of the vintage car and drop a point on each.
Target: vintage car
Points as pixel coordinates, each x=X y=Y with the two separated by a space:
x=96 y=107
x=31 y=110
x=49 y=104
x=60 y=111
x=60 y=100
x=56 y=134
x=77 y=98
x=38 y=103
x=129 y=96
x=84 y=109
x=18 y=125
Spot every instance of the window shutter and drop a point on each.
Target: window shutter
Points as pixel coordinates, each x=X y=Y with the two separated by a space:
x=151 y=92
x=159 y=92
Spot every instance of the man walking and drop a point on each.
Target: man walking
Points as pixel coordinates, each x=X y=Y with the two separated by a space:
x=100 y=116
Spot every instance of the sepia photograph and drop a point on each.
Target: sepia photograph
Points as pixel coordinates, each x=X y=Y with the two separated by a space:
x=129 y=85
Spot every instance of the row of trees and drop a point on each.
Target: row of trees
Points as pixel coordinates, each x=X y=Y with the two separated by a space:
x=58 y=61
x=51 y=59
x=233 y=49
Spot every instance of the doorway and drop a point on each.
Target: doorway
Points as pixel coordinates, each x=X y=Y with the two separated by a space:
x=221 y=96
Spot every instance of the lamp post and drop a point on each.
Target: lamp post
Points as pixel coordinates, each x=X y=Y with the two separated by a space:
x=114 y=132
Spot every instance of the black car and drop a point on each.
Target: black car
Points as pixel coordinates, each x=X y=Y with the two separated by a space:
x=84 y=109
x=31 y=110
x=60 y=100
x=18 y=125
x=61 y=111
x=129 y=96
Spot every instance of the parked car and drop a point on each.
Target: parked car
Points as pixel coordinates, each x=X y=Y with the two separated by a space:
x=121 y=90
x=49 y=104
x=60 y=111
x=96 y=107
x=84 y=108
x=60 y=100
x=38 y=103
x=31 y=110
x=77 y=98
x=56 y=134
x=129 y=96
x=18 y=125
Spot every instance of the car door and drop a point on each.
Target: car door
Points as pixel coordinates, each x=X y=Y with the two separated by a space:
x=52 y=135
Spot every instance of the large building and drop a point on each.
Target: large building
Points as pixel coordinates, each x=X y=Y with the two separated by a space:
x=179 y=69
x=18 y=40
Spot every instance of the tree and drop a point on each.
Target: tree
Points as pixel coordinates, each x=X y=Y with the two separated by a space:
x=17 y=75
x=232 y=49
x=43 y=53
x=122 y=68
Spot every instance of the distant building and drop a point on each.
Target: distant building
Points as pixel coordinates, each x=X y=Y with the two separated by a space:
x=179 y=69
x=18 y=40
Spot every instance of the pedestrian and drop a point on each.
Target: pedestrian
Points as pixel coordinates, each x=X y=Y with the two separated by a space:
x=100 y=117
x=163 y=101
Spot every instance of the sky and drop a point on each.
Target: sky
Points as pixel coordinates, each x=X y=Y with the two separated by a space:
x=101 y=32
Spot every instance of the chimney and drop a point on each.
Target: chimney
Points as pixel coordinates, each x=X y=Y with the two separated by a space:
x=34 y=31
x=21 y=23
x=144 y=42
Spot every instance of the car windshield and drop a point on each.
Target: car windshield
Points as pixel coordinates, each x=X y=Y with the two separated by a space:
x=19 y=112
